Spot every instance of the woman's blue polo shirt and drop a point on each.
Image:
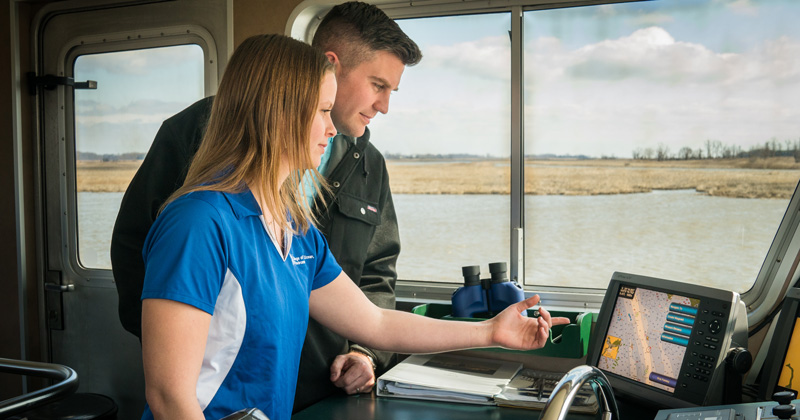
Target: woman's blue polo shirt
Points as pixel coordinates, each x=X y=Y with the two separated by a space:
x=211 y=250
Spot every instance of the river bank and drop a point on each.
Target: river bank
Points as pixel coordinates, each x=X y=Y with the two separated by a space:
x=740 y=178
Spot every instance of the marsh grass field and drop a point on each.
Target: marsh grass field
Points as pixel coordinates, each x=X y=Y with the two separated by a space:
x=773 y=177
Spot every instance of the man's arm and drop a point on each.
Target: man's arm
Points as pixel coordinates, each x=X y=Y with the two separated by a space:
x=161 y=173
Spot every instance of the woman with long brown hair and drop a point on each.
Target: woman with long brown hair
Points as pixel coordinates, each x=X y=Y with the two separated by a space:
x=234 y=264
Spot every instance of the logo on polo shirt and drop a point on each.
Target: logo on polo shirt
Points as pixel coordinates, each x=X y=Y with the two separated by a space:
x=301 y=259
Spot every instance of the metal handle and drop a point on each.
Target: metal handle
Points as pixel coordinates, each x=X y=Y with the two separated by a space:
x=67 y=385
x=50 y=82
x=52 y=287
x=561 y=398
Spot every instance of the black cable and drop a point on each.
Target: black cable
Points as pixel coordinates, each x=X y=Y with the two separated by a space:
x=750 y=390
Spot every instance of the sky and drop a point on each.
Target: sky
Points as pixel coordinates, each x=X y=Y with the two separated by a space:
x=603 y=80
x=599 y=81
x=136 y=91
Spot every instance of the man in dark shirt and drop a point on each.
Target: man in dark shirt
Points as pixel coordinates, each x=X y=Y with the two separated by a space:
x=369 y=52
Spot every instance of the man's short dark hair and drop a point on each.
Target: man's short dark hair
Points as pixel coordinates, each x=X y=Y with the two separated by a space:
x=355 y=30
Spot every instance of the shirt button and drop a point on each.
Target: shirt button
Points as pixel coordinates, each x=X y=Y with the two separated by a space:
x=336 y=184
x=363 y=211
x=356 y=155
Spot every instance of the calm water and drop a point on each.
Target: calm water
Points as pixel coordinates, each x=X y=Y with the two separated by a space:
x=96 y=215
x=581 y=240
x=570 y=240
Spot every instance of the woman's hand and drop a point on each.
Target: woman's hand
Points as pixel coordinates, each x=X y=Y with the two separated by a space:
x=511 y=330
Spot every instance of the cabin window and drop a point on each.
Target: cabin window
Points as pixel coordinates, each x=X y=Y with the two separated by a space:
x=446 y=143
x=659 y=139
x=115 y=125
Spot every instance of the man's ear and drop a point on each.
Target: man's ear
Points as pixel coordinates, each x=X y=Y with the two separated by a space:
x=334 y=59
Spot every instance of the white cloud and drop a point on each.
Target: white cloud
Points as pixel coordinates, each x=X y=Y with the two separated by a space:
x=123 y=118
x=606 y=10
x=139 y=62
x=653 y=55
x=90 y=112
x=613 y=96
x=742 y=7
x=486 y=57
x=109 y=138
x=781 y=59
x=603 y=99
x=650 y=19
x=650 y=53
x=103 y=128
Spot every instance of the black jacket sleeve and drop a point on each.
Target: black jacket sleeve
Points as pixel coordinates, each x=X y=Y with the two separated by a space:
x=161 y=173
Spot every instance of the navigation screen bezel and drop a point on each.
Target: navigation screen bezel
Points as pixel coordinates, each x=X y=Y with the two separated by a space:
x=689 y=391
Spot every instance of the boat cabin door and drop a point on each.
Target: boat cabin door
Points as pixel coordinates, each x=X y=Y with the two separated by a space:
x=106 y=77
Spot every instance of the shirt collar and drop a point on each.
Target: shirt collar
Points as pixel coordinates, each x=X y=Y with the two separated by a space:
x=243 y=204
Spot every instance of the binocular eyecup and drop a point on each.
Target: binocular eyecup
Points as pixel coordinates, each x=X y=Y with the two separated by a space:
x=472 y=275
x=498 y=272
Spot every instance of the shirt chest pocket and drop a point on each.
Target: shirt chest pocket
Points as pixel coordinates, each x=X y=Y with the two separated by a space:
x=359 y=209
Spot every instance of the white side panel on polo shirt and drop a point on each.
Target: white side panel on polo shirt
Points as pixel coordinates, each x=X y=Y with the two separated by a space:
x=225 y=335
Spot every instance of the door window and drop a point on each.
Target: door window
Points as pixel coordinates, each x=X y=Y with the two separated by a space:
x=115 y=125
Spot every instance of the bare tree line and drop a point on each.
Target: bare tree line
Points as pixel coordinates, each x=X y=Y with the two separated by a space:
x=715 y=149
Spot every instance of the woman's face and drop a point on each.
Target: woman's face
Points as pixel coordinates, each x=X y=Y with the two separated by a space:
x=321 y=126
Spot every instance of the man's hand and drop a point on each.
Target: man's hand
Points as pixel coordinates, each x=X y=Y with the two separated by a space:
x=353 y=373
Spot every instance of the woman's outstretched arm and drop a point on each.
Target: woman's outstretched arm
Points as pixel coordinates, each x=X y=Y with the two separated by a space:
x=343 y=308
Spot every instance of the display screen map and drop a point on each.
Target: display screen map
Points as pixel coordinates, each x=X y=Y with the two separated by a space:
x=647 y=336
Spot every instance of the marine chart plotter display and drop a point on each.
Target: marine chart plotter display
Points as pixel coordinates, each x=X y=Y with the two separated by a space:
x=647 y=336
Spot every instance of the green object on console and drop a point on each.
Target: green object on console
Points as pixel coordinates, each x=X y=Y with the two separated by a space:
x=567 y=341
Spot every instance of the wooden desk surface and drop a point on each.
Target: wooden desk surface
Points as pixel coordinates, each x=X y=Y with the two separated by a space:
x=368 y=406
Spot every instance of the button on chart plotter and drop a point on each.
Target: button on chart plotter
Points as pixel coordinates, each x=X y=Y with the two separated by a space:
x=714 y=327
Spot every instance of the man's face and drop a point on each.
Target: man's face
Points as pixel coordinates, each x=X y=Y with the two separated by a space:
x=364 y=91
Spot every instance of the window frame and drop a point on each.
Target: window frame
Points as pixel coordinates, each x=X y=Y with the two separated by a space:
x=169 y=36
